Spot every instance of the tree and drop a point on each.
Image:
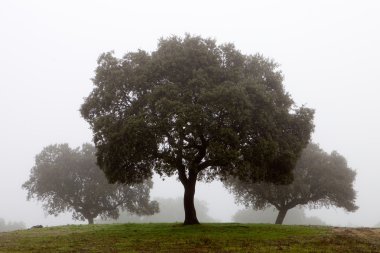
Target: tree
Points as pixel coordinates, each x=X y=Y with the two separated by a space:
x=170 y=211
x=68 y=179
x=320 y=179
x=295 y=216
x=195 y=110
x=10 y=226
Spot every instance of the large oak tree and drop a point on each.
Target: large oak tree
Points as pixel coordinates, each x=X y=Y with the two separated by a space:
x=66 y=179
x=197 y=110
x=320 y=179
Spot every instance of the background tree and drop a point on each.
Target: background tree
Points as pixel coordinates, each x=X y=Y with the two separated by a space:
x=196 y=110
x=68 y=179
x=320 y=179
x=10 y=226
x=295 y=216
x=171 y=210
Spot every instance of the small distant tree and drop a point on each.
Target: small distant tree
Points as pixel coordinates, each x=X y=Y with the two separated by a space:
x=10 y=226
x=66 y=179
x=320 y=179
x=197 y=110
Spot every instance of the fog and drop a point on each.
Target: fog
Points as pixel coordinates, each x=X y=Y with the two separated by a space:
x=295 y=216
x=171 y=210
x=328 y=51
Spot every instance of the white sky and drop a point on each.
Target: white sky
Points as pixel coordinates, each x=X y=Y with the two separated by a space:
x=328 y=50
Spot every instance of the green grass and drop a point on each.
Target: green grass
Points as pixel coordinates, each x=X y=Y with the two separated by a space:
x=197 y=238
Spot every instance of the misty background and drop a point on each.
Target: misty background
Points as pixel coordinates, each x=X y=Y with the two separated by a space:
x=328 y=52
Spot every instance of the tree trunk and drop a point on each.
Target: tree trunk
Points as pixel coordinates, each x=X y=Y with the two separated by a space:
x=188 y=202
x=90 y=220
x=281 y=216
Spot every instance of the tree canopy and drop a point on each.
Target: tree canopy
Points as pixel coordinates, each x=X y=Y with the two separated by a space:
x=197 y=110
x=66 y=179
x=320 y=179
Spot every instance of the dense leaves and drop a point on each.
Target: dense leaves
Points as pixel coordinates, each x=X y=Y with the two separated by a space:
x=66 y=179
x=320 y=179
x=197 y=110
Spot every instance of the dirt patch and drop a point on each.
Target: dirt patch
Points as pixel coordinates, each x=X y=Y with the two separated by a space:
x=371 y=235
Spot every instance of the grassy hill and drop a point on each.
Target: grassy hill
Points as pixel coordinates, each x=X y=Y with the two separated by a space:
x=198 y=238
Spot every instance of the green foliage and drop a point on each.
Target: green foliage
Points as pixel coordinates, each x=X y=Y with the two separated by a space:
x=197 y=110
x=295 y=216
x=320 y=179
x=66 y=179
x=202 y=238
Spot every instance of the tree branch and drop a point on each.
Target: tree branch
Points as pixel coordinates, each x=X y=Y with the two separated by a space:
x=206 y=164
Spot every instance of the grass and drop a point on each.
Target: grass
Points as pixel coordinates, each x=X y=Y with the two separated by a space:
x=198 y=238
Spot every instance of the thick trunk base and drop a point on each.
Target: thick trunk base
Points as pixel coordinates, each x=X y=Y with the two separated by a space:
x=188 y=202
x=192 y=221
x=90 y=221
x=281 y=216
